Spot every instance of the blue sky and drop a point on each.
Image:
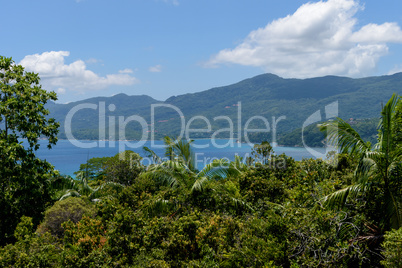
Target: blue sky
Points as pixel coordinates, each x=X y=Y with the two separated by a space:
x=162 y=48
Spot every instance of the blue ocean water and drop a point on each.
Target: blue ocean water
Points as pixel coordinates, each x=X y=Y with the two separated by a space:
x=67 y=157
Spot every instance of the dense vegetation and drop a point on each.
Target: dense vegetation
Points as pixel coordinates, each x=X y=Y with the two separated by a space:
x=265 y=211
x=23 y=177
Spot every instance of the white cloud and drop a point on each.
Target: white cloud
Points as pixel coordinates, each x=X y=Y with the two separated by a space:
x=396 y=69
x=55 y=73
x=155 y=69
x=92 y=61
x=318 y=39
x=126 y=71
x=61 y=90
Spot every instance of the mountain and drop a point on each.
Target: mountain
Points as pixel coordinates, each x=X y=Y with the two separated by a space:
x=265 y=96
x=88 y=116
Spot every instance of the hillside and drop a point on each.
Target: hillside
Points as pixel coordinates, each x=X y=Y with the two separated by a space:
x=266 y=95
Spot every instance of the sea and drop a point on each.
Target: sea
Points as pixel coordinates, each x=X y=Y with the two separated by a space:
x=66 y=156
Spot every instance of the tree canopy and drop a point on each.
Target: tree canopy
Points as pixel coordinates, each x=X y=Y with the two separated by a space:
x=23 y=119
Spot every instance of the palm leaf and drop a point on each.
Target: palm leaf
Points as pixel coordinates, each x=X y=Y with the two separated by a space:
x=243 y=204
x=99 y=191
x=347 y=230
x=338 y=198
x=63 y=183
x=218 y=168
x=367 y=163
x=341 y=134
x=169 y=173
x=199 y=184
x=70 y=193
x=151 y=154
x=385 y=125
x=159 y=206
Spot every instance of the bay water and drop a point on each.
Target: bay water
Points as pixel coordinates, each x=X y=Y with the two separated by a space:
x=67 y=157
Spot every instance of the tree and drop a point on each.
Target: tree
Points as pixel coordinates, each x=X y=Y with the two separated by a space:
x=179 y=173
x=93 y=168
x=379 y=168
x=180 y=170
x=123 y=168
x=23 y=177
x=262 y=152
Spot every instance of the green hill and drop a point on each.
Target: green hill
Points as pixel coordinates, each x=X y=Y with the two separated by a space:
x=266 y=95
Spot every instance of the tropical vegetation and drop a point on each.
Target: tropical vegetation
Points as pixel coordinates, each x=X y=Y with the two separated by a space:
x=265 y=211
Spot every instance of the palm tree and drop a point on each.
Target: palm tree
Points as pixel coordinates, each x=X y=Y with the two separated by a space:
x=179 y=171
x=66 y=186
x=376 y=165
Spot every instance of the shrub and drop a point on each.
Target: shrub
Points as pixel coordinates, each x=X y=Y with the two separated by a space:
x=72 y=209
x=393 y=248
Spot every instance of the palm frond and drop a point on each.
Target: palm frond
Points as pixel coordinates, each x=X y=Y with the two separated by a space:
x=151 y=154
x=338 y=199
x=218 y=168
x=85 y=188
x=347 y=230
x=199 y=184
x=70 y=193
x=243 y=204
x=169 y=152
x=63 y=183
x=341 y=134
x=238 y=164
x=385 y=125
x=99 y=191
x=158 y=206
x=169 y=173
x=183 y=150
x=366 y=164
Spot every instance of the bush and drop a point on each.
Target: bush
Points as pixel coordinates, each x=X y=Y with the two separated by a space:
x=393 y=248
x=72 y=208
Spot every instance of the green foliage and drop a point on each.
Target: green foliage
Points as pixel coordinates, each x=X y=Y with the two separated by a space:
x=23 y=177
x=33 y=251
x=260 y=184
x=286 y=226
x=123 y=168
x=24 y=229
x=273 y=213
x=70 y=209
x=93 y=168
x=64 y=187
x=262 y=152
x=373 y=173
x=393 y=248
x=85 y=244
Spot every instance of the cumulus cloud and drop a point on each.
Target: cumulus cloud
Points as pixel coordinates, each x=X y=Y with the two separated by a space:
x=318 y=39
x=55 y=73
x=155 y=69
